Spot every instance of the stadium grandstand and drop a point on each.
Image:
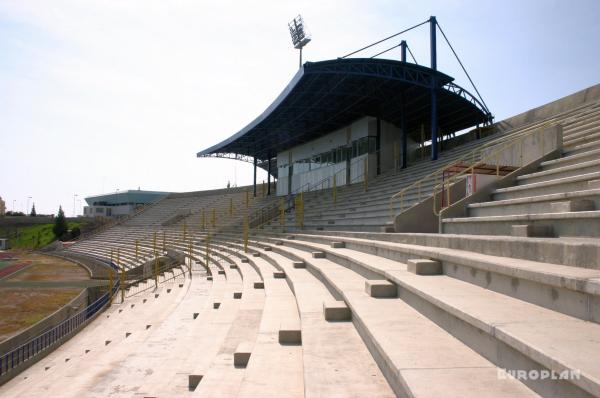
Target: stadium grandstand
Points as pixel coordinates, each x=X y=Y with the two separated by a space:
x=405 y=244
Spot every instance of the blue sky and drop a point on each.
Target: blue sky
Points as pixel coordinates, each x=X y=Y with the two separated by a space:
x=103 y=95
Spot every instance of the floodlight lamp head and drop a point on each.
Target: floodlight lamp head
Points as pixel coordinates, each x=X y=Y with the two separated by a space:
x=299 y=33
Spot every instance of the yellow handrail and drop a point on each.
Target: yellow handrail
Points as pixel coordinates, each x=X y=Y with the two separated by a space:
x=472 y=155
x=493 y=155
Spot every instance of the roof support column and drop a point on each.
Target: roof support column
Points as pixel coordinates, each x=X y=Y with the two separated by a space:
x=254 y=184
x=434 y=119
x=269 y=178
x=404 y=137
x=403 y=51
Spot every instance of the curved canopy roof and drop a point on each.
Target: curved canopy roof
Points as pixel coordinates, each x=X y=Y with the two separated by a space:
x=328 y=95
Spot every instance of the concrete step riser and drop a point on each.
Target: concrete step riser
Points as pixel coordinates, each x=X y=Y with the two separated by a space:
x=586 y=139
x=583 y=149
x=524 y=208
x=577 y=304
x=561 y=227
x=571 y=135
x=571 y=160
x=590 y=121
x=539 y=191
x=553 y=176
x=490 y=347
x=550 y=251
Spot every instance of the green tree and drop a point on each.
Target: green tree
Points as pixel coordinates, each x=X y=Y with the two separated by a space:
x=33 y=213
x=60 y=224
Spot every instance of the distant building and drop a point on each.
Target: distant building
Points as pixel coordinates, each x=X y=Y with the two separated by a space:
x=2 y=207
x=119 y=204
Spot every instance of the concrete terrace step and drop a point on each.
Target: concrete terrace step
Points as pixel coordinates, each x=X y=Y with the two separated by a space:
x=574 y=252
x=410 y=363
x=349 y=369
x=582 y=148
x=559 y=185
x=587 y=167
x=569 y=160
x=570 y=290
x=592 y=136
x=569 y=135
x=513 y=325
x=576 y=224
x=532 y=204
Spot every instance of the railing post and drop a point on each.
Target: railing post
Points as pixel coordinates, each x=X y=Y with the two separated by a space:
x=366 y=173
x=246 y=228
x=122 y=282
x=204 y=217
x=208 y=250
x=230 y=207
x=154 y=244
x=301 y=210
x=247 y=198
x=213 y=220
x=498 y=164
x=282 y=212
x=334 y=189
x=156 y=271
x=111 y=285
x=164 y=241
x=184 y=230
x=190 y=258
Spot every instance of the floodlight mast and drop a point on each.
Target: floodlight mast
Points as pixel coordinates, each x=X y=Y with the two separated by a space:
x=300 y=36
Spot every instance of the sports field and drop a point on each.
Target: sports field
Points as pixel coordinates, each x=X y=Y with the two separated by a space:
x=33 y=286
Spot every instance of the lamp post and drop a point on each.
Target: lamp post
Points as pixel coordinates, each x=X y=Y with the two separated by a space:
x=300 y=36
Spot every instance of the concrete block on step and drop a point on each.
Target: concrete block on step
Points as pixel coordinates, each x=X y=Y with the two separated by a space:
x=568 y=206
x=233 y=266
x=290 y=333
x=423 y=266
x=338 y=245
x=256 y=254
x=336 y=311
x=318 y=254
x=528 y=230
x=278 y=274
x=242 y=354
x=594 y=184
x=380 y=288
x=221 y=272
x=279 y=243
x=267 y=248
x=193 y=381
x=245 y=260
x=216 y=305
x=299 y=264
x=259 y=285
x=237 y=295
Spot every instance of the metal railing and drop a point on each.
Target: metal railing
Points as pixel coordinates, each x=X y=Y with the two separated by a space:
x=50 y=338
x=295 y=200
x=491 y=162
x=435 y=177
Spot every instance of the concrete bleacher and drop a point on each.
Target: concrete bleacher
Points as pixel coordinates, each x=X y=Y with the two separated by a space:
x=370 y=210
x=340 y=308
